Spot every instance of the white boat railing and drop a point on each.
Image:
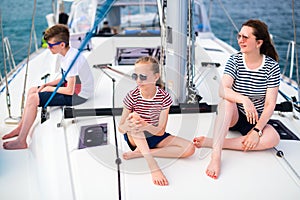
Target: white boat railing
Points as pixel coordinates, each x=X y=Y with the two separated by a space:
x=294 y=68
x=290 y=52
x=8 y=54
x=8 y=57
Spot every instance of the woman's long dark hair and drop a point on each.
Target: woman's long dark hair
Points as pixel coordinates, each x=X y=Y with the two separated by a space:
x=261 y=33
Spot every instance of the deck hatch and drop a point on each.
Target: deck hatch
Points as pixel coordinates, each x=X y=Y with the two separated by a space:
x=284 y=132
x=93 y=135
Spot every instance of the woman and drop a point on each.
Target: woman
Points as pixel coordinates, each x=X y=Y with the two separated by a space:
x=144 y=120
x=248 y=89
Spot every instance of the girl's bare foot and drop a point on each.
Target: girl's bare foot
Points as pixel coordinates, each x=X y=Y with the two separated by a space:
x=202 y=141
x=15 y=144
x=132 y=154
x=159 y=178
x=214 y=166
x=12 y=134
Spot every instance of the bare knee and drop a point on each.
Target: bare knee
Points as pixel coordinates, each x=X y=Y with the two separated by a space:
x=32 y=99
x=188 y=151
x=273 y=137
x=32 y=91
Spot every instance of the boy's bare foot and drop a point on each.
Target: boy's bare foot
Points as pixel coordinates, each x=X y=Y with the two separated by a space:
x=12 y=134
x=15 y=144
x=159 y=178
x=132 y=154
x=214 y=166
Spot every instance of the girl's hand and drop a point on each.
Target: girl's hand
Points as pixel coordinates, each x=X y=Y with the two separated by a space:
x=135 y=123
x=251 y=140
x=251 y=113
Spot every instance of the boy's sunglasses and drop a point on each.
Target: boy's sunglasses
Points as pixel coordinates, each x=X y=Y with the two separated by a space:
x=142 y=77
x=52 y=45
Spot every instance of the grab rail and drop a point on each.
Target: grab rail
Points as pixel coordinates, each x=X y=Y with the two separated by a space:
x=8 y=56
x=290 y=51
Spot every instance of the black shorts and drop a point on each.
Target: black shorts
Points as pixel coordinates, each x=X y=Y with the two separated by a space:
x=242 y=125
x=60 y=99
x=152 y=140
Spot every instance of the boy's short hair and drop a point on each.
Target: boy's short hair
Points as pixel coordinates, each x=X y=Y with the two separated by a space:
x=59 y=32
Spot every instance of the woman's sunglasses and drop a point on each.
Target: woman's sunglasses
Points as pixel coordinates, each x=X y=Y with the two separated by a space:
x=244 y=37
x=142 y=77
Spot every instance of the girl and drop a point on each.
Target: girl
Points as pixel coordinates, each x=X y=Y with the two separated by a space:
x=144 y=120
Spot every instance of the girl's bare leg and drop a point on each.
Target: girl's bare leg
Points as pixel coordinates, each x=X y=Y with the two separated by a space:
x=139 y=140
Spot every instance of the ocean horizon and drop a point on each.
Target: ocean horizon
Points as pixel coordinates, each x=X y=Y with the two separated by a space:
x=17 y=14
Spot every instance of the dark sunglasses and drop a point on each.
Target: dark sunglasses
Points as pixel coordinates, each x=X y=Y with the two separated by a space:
x=52 y=45
x=142 y=77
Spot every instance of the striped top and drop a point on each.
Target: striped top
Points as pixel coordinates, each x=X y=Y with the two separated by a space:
x=148 y=109
x=253 y=83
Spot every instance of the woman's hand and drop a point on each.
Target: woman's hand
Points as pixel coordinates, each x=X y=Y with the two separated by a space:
x=251 y=140
x=251 y=113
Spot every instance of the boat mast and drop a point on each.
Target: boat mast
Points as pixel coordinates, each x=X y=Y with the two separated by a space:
x=192 y=93
x=176 y=50
x=180 y=55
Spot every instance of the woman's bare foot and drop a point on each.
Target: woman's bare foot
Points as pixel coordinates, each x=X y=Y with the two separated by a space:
x=15 y=144
x=132 y=154
x=202 y=141
x=12 y=134
x=159 y=178
x=214 y=166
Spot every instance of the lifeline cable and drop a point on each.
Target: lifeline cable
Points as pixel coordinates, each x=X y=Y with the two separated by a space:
x=280 y=154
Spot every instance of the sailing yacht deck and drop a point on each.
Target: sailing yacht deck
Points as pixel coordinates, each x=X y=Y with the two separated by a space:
x=53 y=167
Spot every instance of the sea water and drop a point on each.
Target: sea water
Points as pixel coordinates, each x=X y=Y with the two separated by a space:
x=17 y=21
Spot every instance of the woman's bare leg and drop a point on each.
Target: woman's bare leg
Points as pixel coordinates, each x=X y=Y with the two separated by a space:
x=227 y=115
x=269 y=139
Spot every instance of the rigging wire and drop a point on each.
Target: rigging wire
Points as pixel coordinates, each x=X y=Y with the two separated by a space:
x=228 y=16
x=29 y=50
x=296 y=49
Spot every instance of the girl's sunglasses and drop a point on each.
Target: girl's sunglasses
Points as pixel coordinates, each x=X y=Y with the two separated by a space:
x=142 y=77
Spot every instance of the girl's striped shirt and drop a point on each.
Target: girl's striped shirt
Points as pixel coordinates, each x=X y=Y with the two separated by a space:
x=148 y=109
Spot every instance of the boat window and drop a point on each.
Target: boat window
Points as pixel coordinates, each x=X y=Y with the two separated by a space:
x=82 y=16
x=135 y=18
x=128 y=56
